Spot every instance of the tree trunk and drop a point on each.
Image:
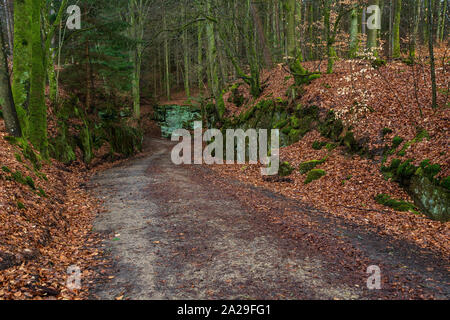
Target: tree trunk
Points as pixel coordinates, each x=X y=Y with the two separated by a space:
x=186 y=55
x=415 y=33
x=6 y=99
x=443 y=21
x=372 y=34
x=37 y=119
x=212 y=63
x=200 y=56
x=431 y=52
x=289 y=6
x=331 y=52
x=166 y=55
x=397 y=18
x=22 y=59
x=354 y=40
x=261 y=36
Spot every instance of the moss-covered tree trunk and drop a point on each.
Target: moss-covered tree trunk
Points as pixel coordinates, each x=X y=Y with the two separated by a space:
x=6 y=98
x=331 y=52
x=372 y=34
x=354 y=34
x=252 y=53
x=397 y=19
x=212 y=63
x=22 y=58
x=37 y=113
x=289 y=8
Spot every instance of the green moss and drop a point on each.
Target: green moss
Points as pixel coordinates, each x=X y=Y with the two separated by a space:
x=41 y=192
x=20 y=205
x=377 y=63
x=18 y=157
x=398 y=205
x=430 y=170
x=294 y=135
x=307 y=166
x=286 y=130
x=396 y=142
x=61 y=148
x=405 y=171
x=386 y=131
x=318 y=145
x=445 y=183
x=281 y=124
x=331 y=146
x=285 y=169
x=295 y=122
x=350 y=142
x=421 y=134
x=30 y=182
x=6 y=169
x=86 y=144
x=18 y=177
x=41 y=175
x=331 y=127
x=315 y=174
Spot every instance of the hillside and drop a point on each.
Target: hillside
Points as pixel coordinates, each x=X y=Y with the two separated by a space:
x=388 y=120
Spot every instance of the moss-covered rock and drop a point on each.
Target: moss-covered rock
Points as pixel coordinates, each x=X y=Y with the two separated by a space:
x=428 y=192
x=285 y=169
x=315 y=174
x=307 y=166
x=398 y=205
x=62 y=146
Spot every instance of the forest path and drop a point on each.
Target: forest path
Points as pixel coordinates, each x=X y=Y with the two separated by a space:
x=174 y=234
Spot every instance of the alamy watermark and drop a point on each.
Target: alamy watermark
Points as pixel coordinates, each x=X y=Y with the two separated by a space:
x=74 y=278
x=374 y=20
x=236 y=146
x=374 y=280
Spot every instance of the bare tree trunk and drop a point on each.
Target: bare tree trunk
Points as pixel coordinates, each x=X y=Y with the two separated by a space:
x=431 y=50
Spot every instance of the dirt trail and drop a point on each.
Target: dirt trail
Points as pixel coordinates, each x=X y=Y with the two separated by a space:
x=174 y=234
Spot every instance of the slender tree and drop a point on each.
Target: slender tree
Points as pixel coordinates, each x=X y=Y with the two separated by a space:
x=397 y=18
x=354 y=35
x=6 y=98
x=22 y=58
x=431 y=52
x=372 y=33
